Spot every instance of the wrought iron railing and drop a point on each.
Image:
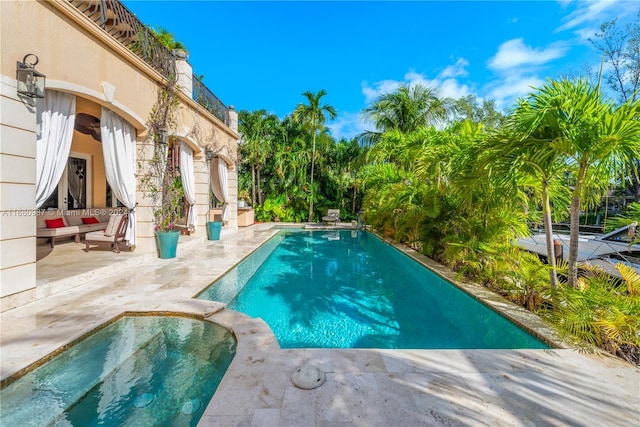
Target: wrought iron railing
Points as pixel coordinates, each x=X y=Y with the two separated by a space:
x=203 y=96
x=113 y=17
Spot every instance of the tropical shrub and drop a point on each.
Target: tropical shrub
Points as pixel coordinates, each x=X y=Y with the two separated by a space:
x=602 y=311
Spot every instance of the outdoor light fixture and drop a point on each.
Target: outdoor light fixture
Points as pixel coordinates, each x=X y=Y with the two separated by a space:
x=208 y=154
x=30 y=82
x=163 y=137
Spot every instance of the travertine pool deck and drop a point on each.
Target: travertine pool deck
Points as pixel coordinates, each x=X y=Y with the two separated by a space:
x=560 y=387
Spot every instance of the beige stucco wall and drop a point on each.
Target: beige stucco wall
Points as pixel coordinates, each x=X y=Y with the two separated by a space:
x=80 y=58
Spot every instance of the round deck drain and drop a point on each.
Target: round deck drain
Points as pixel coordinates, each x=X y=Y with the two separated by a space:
x=307 y=377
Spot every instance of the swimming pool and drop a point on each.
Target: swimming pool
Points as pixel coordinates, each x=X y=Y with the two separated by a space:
x=349 y=289
x=138 y=370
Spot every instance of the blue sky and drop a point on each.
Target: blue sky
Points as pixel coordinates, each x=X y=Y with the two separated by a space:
x=264 y=55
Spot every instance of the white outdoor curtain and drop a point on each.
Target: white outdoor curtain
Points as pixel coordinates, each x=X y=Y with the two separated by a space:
x=188 y=183
x=119 y=151
x=214 y=181
x=218 y=183
x=56 y=116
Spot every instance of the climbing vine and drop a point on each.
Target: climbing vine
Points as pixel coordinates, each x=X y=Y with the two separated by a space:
x=160 y=176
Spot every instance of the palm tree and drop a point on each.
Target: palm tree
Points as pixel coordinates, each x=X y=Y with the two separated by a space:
x=313 y=114
x=524 y=156
x=257 y=129
x=405 y=110
x=595 y=138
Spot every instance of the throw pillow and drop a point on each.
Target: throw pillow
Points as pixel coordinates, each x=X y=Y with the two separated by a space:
x=90 y=220
x=55 y=223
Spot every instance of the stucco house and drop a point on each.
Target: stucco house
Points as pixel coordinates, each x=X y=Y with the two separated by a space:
x=82 y=141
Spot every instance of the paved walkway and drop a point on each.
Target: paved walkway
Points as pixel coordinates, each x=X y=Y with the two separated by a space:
x=363 y=387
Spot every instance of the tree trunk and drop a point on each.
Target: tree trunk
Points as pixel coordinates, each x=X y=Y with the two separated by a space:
x=546 y=218
x=572 y=279
x=253 y=184
x=313 y=160
x=353 y=201
x=259 y=189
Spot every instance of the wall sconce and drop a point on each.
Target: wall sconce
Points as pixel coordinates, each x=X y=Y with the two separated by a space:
x=30 y=82
x=163 y=137
x=209 y=154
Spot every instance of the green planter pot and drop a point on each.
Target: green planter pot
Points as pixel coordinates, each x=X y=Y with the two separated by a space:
x=167 y=243
x=213 y=230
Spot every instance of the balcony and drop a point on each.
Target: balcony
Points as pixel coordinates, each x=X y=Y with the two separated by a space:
x=114 y=18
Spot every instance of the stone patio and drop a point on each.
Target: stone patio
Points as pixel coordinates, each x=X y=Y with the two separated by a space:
x=559 y=387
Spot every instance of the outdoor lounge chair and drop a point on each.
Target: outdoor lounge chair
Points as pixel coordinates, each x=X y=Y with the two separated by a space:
x=114 y=233
x=333 y=216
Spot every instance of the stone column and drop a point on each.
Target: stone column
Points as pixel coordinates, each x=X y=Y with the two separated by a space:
x=233 y=119
x=185 y=72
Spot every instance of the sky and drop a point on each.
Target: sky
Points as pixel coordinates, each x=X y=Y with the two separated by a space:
x=264 y=55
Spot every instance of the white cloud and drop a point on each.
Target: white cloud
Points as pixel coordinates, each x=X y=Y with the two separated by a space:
x=516 y=66
x=451 y=88
x=456 y=70
x=514 y=53
x=593 y=11
x=586 y=33
x=347 y=125
x=508 y=88
x=446 y=82
x=384 y=86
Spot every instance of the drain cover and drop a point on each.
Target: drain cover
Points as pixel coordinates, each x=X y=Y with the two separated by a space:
x=307 y=377
x=191 y=406
x=143 y=400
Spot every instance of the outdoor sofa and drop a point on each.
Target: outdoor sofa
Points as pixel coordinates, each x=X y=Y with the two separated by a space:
x=57 y=223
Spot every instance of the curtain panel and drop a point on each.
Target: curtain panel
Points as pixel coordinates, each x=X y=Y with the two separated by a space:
x=55 y=121
x=188 y=183
x=224 y=186
x=119 y=151
x=218 y=184
x=214 y=180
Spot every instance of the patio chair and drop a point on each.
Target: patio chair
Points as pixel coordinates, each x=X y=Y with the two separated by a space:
x=332 y=216
x=114 y=233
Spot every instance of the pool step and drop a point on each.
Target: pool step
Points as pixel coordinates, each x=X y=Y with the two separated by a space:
x=71 y=378
x=139 y=364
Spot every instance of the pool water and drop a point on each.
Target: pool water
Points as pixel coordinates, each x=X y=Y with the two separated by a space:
x=139 y=370
x=349 y=289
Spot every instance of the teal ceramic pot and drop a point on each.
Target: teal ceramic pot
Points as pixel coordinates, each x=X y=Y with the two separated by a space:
x=167 y=243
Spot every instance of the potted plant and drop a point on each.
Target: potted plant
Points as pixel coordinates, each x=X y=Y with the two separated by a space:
x=168 y=211
x=160 y=180
x=243 y=198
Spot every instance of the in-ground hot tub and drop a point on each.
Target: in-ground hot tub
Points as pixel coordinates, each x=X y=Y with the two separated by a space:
x=136 y=370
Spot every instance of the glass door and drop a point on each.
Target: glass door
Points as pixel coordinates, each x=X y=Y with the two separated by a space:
x=74 y=188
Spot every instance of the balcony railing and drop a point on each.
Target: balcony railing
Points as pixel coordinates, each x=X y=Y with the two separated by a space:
x=113 y=17
x=203 y=96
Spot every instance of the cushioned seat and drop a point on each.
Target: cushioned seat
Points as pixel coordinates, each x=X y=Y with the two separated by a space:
x=333 y=215
x=53 y=224
x=52 y=233
x=113 y=234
